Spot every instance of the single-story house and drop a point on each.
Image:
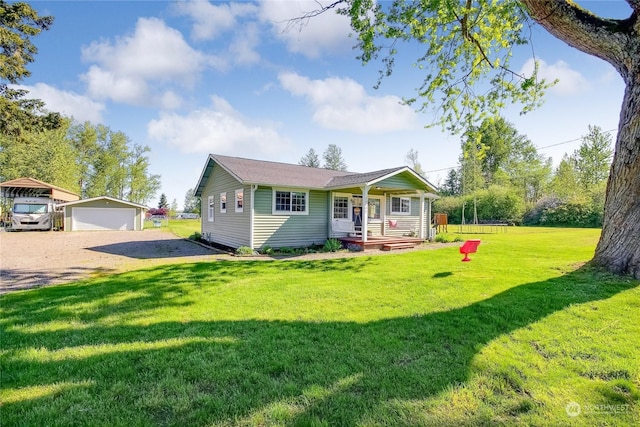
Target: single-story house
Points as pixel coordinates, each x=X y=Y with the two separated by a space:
x=259 y=203
x=103 y=213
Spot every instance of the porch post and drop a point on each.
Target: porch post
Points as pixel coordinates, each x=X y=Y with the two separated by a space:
x=421 y=232
x=429 y=202
x=365 y=211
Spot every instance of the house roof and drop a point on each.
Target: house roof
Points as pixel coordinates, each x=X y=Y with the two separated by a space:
x=31 y=187
x=248 y=171
x=107 y=198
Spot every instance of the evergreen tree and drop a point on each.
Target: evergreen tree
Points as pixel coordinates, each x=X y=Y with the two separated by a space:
x=451 y=185
x=163 y=203
x=333 y=158
x=191 y=202
x=310 y=159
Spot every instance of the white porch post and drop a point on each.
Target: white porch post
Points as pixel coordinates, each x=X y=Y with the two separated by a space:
x=421 y=229
x=365 y=211
x=429 y=201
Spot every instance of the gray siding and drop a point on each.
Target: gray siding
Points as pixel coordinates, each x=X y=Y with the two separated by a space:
x=289 y=230
x=401 y=181
x=231 y=228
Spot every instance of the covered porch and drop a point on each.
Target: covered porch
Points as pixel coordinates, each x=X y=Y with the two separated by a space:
x=385 y=208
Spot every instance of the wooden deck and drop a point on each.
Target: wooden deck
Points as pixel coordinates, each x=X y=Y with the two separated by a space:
x=383 y=242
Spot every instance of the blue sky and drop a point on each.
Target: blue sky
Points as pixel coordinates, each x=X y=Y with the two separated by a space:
x=192 y=78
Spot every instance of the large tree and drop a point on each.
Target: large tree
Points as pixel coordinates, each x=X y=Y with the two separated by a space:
x=470 y=41
x=310 y=159
x=19 y=22
x=333 y=158
x=593 y=158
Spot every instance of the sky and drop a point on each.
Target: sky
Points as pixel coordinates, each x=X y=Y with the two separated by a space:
x=192 y=78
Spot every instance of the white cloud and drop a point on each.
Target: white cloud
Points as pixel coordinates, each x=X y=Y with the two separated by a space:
x=570 y=81
x=219 y=129
x=154 y=53
x=343 y=104
x=79 y=107
x=327 y=32
x=212 y=20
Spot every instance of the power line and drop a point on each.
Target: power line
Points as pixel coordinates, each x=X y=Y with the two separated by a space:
x=537 y=148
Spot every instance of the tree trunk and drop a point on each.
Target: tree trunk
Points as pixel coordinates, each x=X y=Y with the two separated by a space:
x=617 y=42
x=619 y=247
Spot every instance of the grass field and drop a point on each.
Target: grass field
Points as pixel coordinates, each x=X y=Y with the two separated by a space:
x=524 y=334
x=184 y=227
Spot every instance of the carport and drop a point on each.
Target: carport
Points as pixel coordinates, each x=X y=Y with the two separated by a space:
x=103 y=213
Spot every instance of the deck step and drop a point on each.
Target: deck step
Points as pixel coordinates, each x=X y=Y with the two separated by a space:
x=405 y=245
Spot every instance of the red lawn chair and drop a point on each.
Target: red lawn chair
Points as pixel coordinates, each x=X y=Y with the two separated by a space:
x=469 y=247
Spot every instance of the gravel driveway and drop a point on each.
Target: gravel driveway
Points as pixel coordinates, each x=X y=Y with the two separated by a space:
x=35 y=258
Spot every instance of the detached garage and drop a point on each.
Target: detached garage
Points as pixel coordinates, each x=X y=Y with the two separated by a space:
x=103 y=213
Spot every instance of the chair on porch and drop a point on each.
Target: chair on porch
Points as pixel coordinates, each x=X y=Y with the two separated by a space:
x=343 y=226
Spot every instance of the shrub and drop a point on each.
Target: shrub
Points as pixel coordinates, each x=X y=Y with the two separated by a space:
x=495 y=204
x=551 y=211
x=352 y=247
x=266 y=250
x=332 y=245
x=196 y=236
x=441 y=238
x=244 y=251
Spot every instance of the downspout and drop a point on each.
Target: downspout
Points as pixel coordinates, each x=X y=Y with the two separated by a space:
x=252 y=212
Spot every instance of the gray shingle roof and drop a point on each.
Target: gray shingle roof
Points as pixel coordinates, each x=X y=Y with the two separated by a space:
x=361 y=178
x=274 y=173
x=249 y=171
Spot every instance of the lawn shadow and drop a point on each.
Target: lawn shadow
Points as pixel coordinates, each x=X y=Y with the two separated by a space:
x=150 y=249
x=259 y=371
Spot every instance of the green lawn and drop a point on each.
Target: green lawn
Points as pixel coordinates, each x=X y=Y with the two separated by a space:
x=517 y=336
x=184 y=227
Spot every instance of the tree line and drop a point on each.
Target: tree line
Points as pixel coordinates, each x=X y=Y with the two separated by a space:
x=88 y=159
x=501 y=177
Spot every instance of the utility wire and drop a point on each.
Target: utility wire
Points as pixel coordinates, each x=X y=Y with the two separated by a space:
x=537 y=148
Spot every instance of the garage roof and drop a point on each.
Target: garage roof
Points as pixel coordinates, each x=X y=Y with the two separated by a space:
x=30 y=187
x=124 y=202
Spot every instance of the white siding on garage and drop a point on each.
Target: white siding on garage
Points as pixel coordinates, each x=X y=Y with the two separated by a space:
x=102 y=219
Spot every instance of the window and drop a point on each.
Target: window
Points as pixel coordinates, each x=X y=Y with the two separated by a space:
x=210 y=207
x=341 y=207
x=20 y=208
x=401 y=205
x=290 y=202
x=239 y=200
x=223 y=202
x=374 y=209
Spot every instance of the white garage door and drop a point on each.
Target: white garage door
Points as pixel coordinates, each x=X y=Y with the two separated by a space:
x=102 y=219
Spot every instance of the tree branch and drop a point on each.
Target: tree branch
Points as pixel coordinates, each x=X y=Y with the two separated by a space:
x=608 y=39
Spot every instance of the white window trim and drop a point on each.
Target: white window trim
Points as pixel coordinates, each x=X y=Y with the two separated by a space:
x=349 y=206
x=289 y=190
x=396 y=212
x=223 y=207
x=239 y=209
x=210 y=208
